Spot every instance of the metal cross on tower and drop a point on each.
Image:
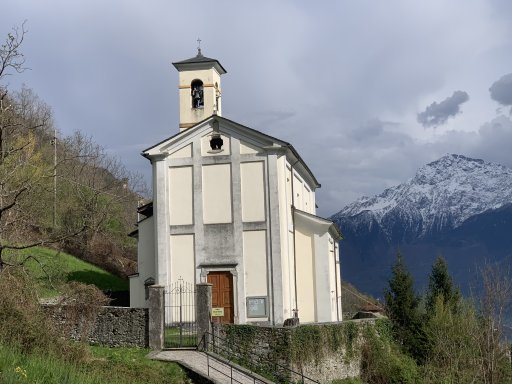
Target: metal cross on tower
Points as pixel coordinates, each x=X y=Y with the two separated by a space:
x=199 y=47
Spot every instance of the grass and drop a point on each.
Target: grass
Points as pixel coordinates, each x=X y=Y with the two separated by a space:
x=107 y=365
x=54 y=267
x=132 y=363
x=173 y=339
x=32 y=349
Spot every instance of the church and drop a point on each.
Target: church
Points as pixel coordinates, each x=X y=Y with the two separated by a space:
x=235 y=207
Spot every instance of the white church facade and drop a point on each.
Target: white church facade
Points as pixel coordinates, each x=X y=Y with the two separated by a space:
x=235 y=207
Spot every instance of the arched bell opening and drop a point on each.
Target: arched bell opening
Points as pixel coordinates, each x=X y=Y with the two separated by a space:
x=197 y=94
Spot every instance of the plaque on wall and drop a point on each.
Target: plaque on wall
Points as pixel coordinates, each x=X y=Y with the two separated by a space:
x=257 y=306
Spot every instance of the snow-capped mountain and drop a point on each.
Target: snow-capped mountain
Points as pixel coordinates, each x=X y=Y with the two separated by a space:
x=442 y=195
x=454 y=206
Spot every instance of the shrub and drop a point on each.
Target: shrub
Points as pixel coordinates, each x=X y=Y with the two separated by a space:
x=23 y=323
x=382 y=362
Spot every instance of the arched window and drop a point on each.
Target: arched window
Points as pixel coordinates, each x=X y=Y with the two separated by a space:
x=197 y=94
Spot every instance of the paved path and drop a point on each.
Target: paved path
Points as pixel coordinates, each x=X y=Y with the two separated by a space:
x=219 y=372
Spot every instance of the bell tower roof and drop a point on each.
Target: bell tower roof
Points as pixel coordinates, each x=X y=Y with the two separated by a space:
x=198 y=61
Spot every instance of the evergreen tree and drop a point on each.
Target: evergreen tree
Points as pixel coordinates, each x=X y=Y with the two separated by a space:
x=402 y=308
x=441 y=286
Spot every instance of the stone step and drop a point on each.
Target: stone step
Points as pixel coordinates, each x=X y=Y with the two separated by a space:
x=209 y=367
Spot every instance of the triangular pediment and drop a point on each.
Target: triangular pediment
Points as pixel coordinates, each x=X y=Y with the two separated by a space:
x=251 y=142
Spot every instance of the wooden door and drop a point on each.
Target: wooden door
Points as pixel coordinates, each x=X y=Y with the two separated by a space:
x=222 y=294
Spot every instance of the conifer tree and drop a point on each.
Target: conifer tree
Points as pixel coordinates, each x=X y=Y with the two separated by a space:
x=402 y=308
x=441 y=286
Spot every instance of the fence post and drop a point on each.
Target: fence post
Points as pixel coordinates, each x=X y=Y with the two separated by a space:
x=203 y=311
x=156 y=317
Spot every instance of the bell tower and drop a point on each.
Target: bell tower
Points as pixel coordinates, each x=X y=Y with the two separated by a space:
x=199 y=88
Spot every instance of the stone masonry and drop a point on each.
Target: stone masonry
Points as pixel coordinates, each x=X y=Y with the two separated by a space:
x=113 y=326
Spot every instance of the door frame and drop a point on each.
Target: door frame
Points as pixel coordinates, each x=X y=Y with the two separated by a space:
x=231 y=268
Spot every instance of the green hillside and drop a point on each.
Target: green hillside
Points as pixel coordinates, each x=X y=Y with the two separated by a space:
x=51 y=268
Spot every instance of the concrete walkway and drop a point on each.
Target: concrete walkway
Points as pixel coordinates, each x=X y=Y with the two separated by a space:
x=216 y=371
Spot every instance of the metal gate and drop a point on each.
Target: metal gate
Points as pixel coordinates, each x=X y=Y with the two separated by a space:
x=180 y=329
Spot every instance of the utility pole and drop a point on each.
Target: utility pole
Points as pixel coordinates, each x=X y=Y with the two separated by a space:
x=2 y=142
x=54 y=142
x=2 y=127
x=1 y=147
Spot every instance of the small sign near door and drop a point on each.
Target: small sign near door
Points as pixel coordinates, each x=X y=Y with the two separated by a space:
x=218 y=312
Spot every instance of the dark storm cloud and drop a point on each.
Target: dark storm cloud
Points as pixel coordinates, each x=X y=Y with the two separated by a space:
x=437 y=113
x=501 y=90
x=337 y=101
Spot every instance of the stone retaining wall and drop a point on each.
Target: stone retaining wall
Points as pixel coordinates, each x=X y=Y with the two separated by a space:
x=323 y=352
x=113 y=326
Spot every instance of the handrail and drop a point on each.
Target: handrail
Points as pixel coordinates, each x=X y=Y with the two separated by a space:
x=255 y=359
x=228 y=363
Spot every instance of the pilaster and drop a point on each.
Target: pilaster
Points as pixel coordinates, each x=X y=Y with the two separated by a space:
x=275 y=270
x=161 y=219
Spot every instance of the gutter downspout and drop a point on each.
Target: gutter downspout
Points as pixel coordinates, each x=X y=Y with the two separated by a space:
x=296 y=313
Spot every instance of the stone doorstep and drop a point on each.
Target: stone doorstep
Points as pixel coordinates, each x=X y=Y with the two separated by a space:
x=195 y=368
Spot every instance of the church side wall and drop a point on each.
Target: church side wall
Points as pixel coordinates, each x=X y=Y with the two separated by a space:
x=324 y=278
x=295 y=248
x=145 y=262
x=334 y=290
x=304 y=194
x=339 y=311
x=324 y=273
x=305 y=276
x=334 y=268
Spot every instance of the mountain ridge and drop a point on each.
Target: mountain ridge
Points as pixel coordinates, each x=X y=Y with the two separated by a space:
x=455 y=206
x=443 y=193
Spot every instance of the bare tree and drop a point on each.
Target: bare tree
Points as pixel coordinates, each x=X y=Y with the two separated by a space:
x=25 y=176
x=25 y=124
x=104 y=194
x=495 y=304
x=11 y=58
x=93 y=196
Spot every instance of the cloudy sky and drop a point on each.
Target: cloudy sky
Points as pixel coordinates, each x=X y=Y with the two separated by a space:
x=367 y=91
